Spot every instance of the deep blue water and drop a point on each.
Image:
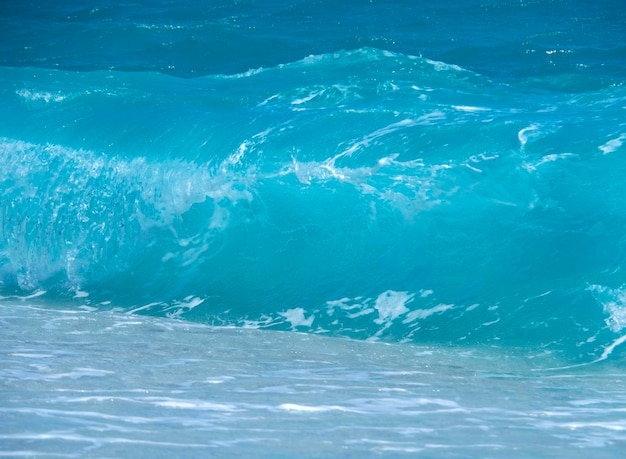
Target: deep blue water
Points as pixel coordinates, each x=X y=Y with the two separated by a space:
x=417 y=173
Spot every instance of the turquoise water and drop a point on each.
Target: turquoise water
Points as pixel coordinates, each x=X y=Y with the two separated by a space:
x=411 y=188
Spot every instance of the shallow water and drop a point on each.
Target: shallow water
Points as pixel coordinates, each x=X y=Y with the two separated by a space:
x=83 y=383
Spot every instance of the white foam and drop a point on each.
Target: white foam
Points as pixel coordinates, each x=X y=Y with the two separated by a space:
x=236 y=157
x=390 y=305
x=40 y=96
x=367 y=140
x=425 y=293
x=442 y=66
x=612 y=145
x=219 y=220
x=311 y=409
x=312 y=95
x=160 y=26
x=424 y=313
x=193 y=405
x=247 y=74
x=354 y=307
x=469 y=108
x=81 y=294
x=528 y=132
x=144 y=307
x=611 y=347
x=614 y=303
x=547 y=159
x=493 y=322
x=183 y=306
x=296 y=317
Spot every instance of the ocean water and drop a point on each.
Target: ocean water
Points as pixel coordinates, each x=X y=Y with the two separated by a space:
x=319 y=229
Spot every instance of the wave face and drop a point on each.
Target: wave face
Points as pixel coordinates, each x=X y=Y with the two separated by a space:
x=365 y=193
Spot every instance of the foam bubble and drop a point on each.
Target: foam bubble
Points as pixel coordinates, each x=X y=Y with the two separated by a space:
x=531 y=166
x=612 y=145
x=40 y=96
x=528 y=133
x=470 y=108
x=424 y=313
x=296 y=317
x=390 y=305
x=311 y=409
x=614 y=303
